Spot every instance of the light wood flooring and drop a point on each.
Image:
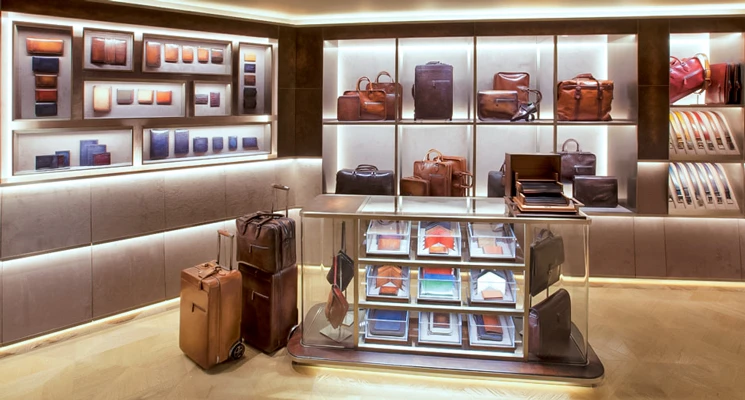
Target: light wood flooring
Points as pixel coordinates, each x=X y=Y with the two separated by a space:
x=656 y=342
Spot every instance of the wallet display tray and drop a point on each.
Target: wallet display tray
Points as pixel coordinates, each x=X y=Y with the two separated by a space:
x=381 y=336
x=508 y=335
x=510 y=296
x=529 y=186
x=506 y=240
x=455 y=236
x=427 y=334
x=377 y=232
x=435 y=291
x=373 y=292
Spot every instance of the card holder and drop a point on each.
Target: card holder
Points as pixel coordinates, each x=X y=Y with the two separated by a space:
x=164 y=97
x=45 y=65
x=203 y=55
x=50 y=47
x=249 y=68
x=102 y=159
x=159 y=143
x=200 y=145
x=152 y=54
x=43 y=95
x=201 y=98
x=144 y=96
x=65 y=154
x=46 y=109
x=217 y=56
x=187 y=54
x=171 y=55
x=90 y=152
x=232 y=142
x=98 y=50
x=101 y=99
x=125 y=96
x=250 y=143
x=46 y=162
x=214 y=99
x=45 y=81
x=217 y=143
x=249 y=80
x=120 y=51
x=181 y=145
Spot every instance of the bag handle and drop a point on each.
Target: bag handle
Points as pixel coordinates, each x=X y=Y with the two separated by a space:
x=564 y=146
x=366 y=167
x=538 y=94
x=344 y=236
x=359 y=81
x=383 y=73
x=286 y=189
x=438 y=155
x=585 y=76
x=220 y=234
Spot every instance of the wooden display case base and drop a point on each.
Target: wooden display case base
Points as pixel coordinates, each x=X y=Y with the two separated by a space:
x=589 y=374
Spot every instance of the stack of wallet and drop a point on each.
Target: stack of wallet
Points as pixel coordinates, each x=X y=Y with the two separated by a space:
x=488 y=328
x=439 y=282
x=389 y=279
x=45 y=64
x=387 y=323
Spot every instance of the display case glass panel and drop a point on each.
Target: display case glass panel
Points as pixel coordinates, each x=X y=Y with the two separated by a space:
x=387 y=326
x=439 y=285
x=347 y=146
x=440 y=328
x=388 y=237
x=491 y=241
x=492 y=287
x=438 y=239
x=387 y=283
x=111 y=99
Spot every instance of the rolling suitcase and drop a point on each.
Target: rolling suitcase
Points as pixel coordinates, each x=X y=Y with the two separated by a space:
x=210 y=314
x=433 y=91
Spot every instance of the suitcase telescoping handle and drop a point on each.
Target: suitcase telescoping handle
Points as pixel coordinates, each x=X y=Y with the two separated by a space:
x=286 y=189
x=220 y=234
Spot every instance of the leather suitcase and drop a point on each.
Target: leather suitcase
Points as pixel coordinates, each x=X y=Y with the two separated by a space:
x=266 y=240
x=269 y=307
x=366 y=179
x=433 y=91
x=210 y=311
x=550 y=326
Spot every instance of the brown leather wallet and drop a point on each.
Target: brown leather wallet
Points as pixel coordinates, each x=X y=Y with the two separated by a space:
x=46 y=81
x=217 y=56
x=249 y=80
x=187 y=54
x=164 y=97
x=120 y=51
x=171 y=53
x=44 y=95
x=203 y=55
x=48 y=47
x=98 y=50
x=152 y=54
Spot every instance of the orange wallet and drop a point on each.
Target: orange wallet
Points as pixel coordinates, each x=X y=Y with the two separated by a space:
x=48 y=47
x=164 y=97
x=46 y=95
x=152 y=54
x=187 y=54
x=171 y=53
x=46 y=81
x=203 y=55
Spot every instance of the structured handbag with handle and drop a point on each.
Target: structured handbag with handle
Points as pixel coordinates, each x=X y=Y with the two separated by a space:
x=546 y=257
x=512 y=81
x=438 y=173
x=498 y=104
x=576 y=162
x=366 y=179
x=584 y=98
x=414 y=186
x=462 y=180
x=596 y=191
x=688 y=76
x=550 y=326
x=495 y=183
x=394 y=95
x=372 y=102
x=718 y=90
x=336 y=305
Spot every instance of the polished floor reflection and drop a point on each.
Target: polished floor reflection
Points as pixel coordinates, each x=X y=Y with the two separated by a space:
x=657 y=342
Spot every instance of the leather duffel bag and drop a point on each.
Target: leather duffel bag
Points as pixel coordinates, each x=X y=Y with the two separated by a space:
x=584 y=98
x=688 y=76
x=366 y=179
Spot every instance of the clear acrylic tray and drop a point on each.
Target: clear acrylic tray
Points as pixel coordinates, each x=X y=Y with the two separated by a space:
x=491 y=334
x=387 y=325
x=491 y=240
x=440 y=328
x=439 y=285
x=386 y=285
x=439 y=239
x=485 y=286
x=388 y=237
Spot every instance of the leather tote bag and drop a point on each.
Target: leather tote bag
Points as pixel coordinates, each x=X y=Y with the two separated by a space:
x=584 y=98
x=688 y=76
x=366 y=179
x=576 y=162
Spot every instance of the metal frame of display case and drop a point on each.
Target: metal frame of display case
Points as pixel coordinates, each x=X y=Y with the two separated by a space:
x=517 y=363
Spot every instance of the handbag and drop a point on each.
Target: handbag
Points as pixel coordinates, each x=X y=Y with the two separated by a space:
x=394 y=95
x=735 y=93
x=550 y=326
x=495 y=183
x=372 y=102
x=365 y=179
x=720 y=85
x=576 y=162
x=512 y=81
x=546 y=257
x=688 y=76
x=584 y=98
x=343 y=264
x=596 y=191
x=336 y=305
x=438 y=173
x=414 y=186
x=462 y=180
x=497 y=104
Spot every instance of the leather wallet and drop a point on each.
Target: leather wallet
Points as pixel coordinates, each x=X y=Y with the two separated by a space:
x=249 y=68
x=250 y=92
x=49 y=161
x=217 y=56
x=249 y=80
x=45 y=65
x=488 y=328
x=102 y=159
x=217 y=143
x=46 y=95
x=46 y=109
x=65 y=158
x=164 y=97
x=159 y=144
x=125 y=96
x=201 y=98
x=181 y=141
x=98 y=50
x=250 y=143
x=440 y=320
x=187 y=54
x=249 y=103
x=152 y=54
x=201 y=145
x=203 y=55
x=84 y=144
x=232 y=142
x=389 y=242
x=91 y=150
x=102 y=99
x=144 y=96
x=214 y=99
x=171 y=53
x=387 y=323
x=249 y=57
x=119 y=49
x=45 y=81
x=50 y=47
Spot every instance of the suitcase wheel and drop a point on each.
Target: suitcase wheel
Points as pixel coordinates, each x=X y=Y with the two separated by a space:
x=236 y=352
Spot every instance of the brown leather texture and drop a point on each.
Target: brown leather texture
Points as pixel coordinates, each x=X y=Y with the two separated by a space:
x=266 y=241
x=433 y=91
x=394 y=95
x=688 y=76
x=45 y=81
x=511 y=81
x=187 y=54
x=210 y=314
x=576 y=162
x=217 y=56
x=48 y=47
x=269 y=307
x=550 y=326
x=414 y=186
x=462 y=180
x=152 y=54
x=529 y=166
x=596 y=191
x=98 y=50
x=164 y=97
x=348 y=107
x=584 y=98
x=45 y=95
x=171 y=53
x=373 y=102
x=120 y=51
x=439 y=175
x=366 y=179
x=336 y=307
x=497 y=104
x=249 y=80
x=734 y=71
x=203 y=55
x=718 y=91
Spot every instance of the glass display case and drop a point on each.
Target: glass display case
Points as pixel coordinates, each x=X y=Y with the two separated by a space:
x=456 y=306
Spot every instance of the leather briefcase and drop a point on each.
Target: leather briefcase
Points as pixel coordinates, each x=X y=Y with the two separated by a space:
x=348 y=107
x=366 y=179
x=596 y=191
x=495 y=183
x=414 y=186
x=546 y=257
x=576 y=162
x=550 y=326
x=718 y=90
x=688 y=76
x=735 y=90
x=498 y=104
x=438 y=173
x=394 y=95
x=372 y=102
x=462 y=180
x=584 y=98
x=512 y=81
x=433 y=91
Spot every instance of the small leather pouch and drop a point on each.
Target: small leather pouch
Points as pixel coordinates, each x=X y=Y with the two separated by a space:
x=249 y=68
x=348 y=108
x=181 y=141
x=101 y=99
x=45 y=81
x=102 y=159
x=98 y=50
x=125 y=96
x=201 y=98
x=217 y=56
x=201 y=145
x=164 y=97
x=45 y=65
x=250 y=143
x=46 y=109
x=203 y=55
x=171 y=53
x=497 y=104
x=414 y=186
x=144 y=96
x=46 y=95
x=511 y=81
x=49 y=47
x=249 y=80
x=232 y=142
x=152 y=54
x=159 y=143
x=217 y=143
x=596 y=191
x=187 y=54
x=214 y=99
x=336 y=305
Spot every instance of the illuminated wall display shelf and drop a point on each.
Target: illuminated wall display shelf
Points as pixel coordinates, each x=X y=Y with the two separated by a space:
x=92 y=98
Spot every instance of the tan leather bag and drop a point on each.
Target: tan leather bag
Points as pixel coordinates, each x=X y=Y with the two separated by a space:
x=372 y=102
x=414 y=186
x=394 y=93
x=584 y=98
x=498 y=104
x=511 y=81
x=336 y=305
x=462 y=180
x=438 y=173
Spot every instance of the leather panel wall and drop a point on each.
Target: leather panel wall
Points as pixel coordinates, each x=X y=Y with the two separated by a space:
x=707 y=248
x=612 y=247
x=649 y=243
x=194 y=197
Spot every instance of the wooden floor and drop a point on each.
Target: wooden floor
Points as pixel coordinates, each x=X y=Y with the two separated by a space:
x=656 y=342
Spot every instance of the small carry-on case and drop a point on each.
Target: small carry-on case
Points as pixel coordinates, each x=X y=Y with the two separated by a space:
x=433 y=91
x=209 y=328
x=266 y=240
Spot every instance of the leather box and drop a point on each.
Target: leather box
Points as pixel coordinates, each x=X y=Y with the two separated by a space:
x=84 y=145
x=181 y=141
x=164 y=97
x=101 y=99
x=159 y=143
x=203 y=55
x=152 y=54
x=201 y=145
x=187 y=54
x=249 y=57
x=201 y=98
x=217 y=55
x=497 y=104
x=550 y=326
x=250 y=143
x=529 y=166
x=45 y=109
x=98 y=50
x=144 y=96
x=43 y=95
x=102 y=159
x=45 y=65
x=49 y=47
x=46 y=161
x=414 y=186
x=249 y=68
x=249 y=80
x=217 y=143
x=65 y=158
x=366 y=179
x=596 y=191
x=512 y=81
x=232 y=142
x=125 y=96
x=45 y=81
x=171 y=53
x=214 y=99
x=433 y=91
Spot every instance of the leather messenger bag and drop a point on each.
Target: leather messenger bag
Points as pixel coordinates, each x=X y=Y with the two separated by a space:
x=546 y=257
x=366 y=179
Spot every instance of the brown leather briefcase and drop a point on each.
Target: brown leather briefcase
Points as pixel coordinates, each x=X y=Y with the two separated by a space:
x=210 y=312
x=462 y=180
x=584 y=98
x=438 y=173
x=433 y=91
x=512 y=81
x=393 y=95
x=414 y=186
x=498 y=104
x=550 y=326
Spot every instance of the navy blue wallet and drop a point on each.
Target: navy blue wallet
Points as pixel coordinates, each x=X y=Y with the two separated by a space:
x=83 y=148
x=200 y=145
x=66 y=158
x=181 y=145
x=387 y=323
x=159 y=144
x=249 y=67
x=46 y=162
x=232 y=142
x=46 y=109
x=217 y=143
x=250 y=143
x=45 y=65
